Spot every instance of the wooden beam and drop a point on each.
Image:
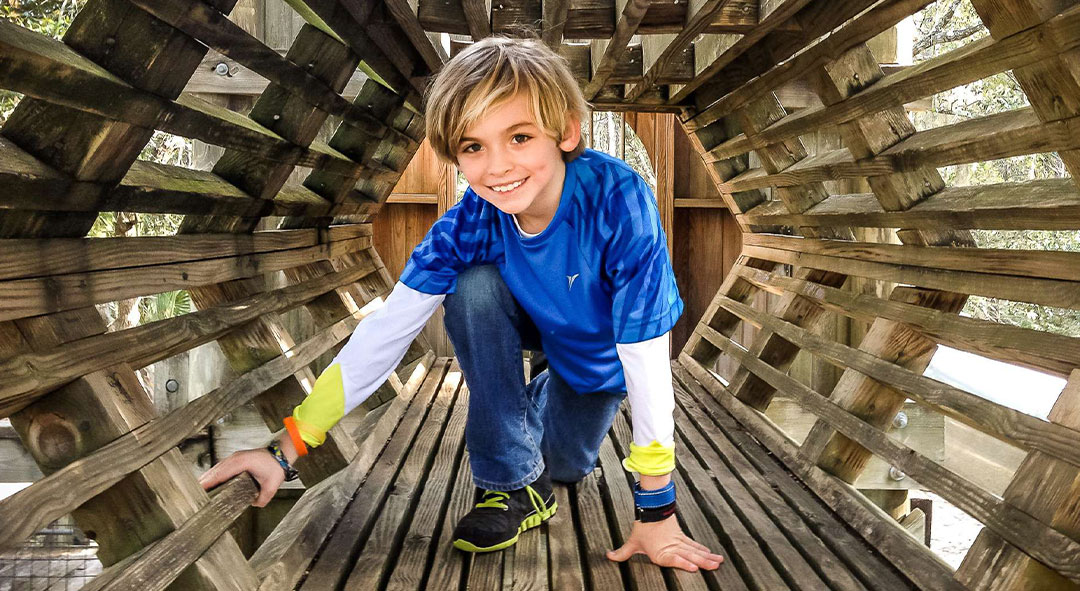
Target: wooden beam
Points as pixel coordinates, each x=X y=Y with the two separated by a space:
x=555 y=17
x=432 y=52
x=478 y=17
x=606 y=53
x=698 y=16
x=34 y=373
x=157 y=566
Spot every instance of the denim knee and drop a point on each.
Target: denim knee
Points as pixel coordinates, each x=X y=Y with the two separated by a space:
x=477 y=288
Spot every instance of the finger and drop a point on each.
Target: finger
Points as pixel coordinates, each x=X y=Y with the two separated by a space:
x=699 y=558
x=677 y=561
x=704 y=550
x=214 y=476
x=624 y=552
x=266 y=493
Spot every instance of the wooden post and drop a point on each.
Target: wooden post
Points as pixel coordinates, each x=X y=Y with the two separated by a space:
x=1049 y=490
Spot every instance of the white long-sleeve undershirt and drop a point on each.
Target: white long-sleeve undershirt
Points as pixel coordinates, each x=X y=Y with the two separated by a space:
x=382 y=338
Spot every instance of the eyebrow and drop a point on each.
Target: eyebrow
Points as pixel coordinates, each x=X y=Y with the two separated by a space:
x=508 y=129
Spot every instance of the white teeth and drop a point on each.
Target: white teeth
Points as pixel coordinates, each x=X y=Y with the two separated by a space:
x=505 y=188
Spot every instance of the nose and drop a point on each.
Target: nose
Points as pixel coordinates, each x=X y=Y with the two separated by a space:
x=499 y=162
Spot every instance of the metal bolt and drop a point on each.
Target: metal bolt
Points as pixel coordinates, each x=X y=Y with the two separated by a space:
x=222 y=69
x=277 y=117
x=110 y=41
x=172 y=386
x=856 y=77
x=900 y=420
x=896 y=474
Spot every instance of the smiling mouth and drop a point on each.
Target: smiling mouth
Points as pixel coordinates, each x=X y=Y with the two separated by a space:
x=509 y=187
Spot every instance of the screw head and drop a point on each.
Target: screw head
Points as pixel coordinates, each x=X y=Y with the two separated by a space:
x=172 y=385
x=222 y=69
x=896 y=474
x=900 y=420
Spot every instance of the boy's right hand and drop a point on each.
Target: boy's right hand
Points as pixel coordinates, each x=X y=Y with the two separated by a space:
x=260 y=463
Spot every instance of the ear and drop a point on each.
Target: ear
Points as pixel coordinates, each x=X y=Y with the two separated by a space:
x=571 y=134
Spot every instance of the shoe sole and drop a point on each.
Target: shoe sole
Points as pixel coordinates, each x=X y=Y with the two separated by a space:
x=530 y=522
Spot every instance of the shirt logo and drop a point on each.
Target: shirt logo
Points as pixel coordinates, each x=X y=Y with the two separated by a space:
x=570 y=279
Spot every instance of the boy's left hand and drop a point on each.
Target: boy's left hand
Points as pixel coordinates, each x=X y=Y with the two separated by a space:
x=666 y=545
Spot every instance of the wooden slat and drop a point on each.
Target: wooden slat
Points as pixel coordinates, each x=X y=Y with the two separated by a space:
x=699 y=14
x=69 y=487
x=404 y=12
x=966 y=64
x=1040 y=264
x=160 y=563
x=209 y=26
x=409 y=567
x=447 y=563
x=991 y=559
x=721 y=50
x=1004 y=135
x=1045 y=292
x=383 y=546
x=606 y=53
x=282 y=559
x=1007 y=424
x=910 y=557
x=31 y=257
x=596 y=536
x=31 y=374
x=854 y=31
x=778 y=491
x=1019 y=528
x=478 y=17
x=556 y=13
x=31 y=297
x=694 y=522
x=78 y=83
x=1052 y=353
x=336 y=557
x=1043 y=204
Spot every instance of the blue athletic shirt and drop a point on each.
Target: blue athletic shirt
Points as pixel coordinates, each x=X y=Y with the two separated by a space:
x=599 y=274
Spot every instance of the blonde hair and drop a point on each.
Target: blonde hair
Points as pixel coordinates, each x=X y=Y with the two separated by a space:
x=491 y=71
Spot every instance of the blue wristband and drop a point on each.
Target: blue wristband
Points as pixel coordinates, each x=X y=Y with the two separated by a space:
x=654 y=499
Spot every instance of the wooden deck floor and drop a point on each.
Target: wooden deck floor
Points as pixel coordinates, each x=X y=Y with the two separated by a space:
x=734 y=497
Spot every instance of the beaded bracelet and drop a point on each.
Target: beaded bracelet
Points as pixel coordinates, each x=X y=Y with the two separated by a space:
x=290 y=473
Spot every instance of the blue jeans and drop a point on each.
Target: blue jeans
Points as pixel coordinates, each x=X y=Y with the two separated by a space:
x=514 y=429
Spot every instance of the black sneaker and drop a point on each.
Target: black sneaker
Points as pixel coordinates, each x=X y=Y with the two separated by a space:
x=500 y=517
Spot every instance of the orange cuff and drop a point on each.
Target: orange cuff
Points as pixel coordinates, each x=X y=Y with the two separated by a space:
x=294 y=435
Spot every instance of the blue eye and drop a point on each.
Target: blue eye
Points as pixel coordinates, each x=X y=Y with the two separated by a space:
x=521 y=138
x=469 y=148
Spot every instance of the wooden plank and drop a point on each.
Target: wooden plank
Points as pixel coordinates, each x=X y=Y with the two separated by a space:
x=698 y=16
x=555 y=13
x=31 y=297
x=448 y=563
x=1053 y=502
x=1035 y=538
x=1039 y=264
x=154 y=568
x=478 y=17
x=565 y=570
x=720 y=50
x=57 y=256
x=606 y=53
x=752 y=461
x=71 y=486
x=34 y=373
x=1045 y=292
x=383 y=547
x=409 y=569
x=852 y=32
x=82 y=85
x=596 y=536
x=910 y=557
x=617 y=485
x=1043 y=204
x=282 y=559
x=1051 y=353
x=693 y=521
x=966 y=64
x=1005 y=423
x=335 y=559
x=404 y=12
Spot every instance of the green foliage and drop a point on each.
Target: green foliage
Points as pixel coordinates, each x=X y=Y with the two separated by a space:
x=164 y=305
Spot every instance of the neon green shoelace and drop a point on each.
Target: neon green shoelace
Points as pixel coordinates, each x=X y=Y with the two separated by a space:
x=494 y=499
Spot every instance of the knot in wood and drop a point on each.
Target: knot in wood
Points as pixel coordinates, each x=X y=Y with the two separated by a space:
x=54 y=440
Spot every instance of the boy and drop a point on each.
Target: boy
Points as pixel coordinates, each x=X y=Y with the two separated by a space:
x=553 y=248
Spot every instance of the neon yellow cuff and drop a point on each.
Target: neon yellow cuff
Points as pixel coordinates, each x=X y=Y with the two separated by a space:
x=323 y=408
x=651 y=460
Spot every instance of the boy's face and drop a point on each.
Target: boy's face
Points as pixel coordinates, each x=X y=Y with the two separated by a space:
x=510 y=162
